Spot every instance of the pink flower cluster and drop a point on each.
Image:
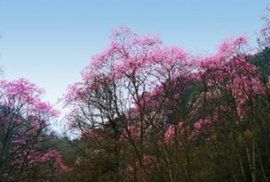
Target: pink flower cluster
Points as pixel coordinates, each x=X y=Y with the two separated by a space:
x=133 y=131
x=173 y=131
x=50 y=155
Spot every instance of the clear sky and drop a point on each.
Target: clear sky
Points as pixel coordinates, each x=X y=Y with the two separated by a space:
x=50 y=41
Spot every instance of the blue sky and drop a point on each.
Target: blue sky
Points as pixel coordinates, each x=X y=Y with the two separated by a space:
x=50 y=41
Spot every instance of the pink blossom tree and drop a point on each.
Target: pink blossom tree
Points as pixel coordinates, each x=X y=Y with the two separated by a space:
x=144 y=108
x=24 y=120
